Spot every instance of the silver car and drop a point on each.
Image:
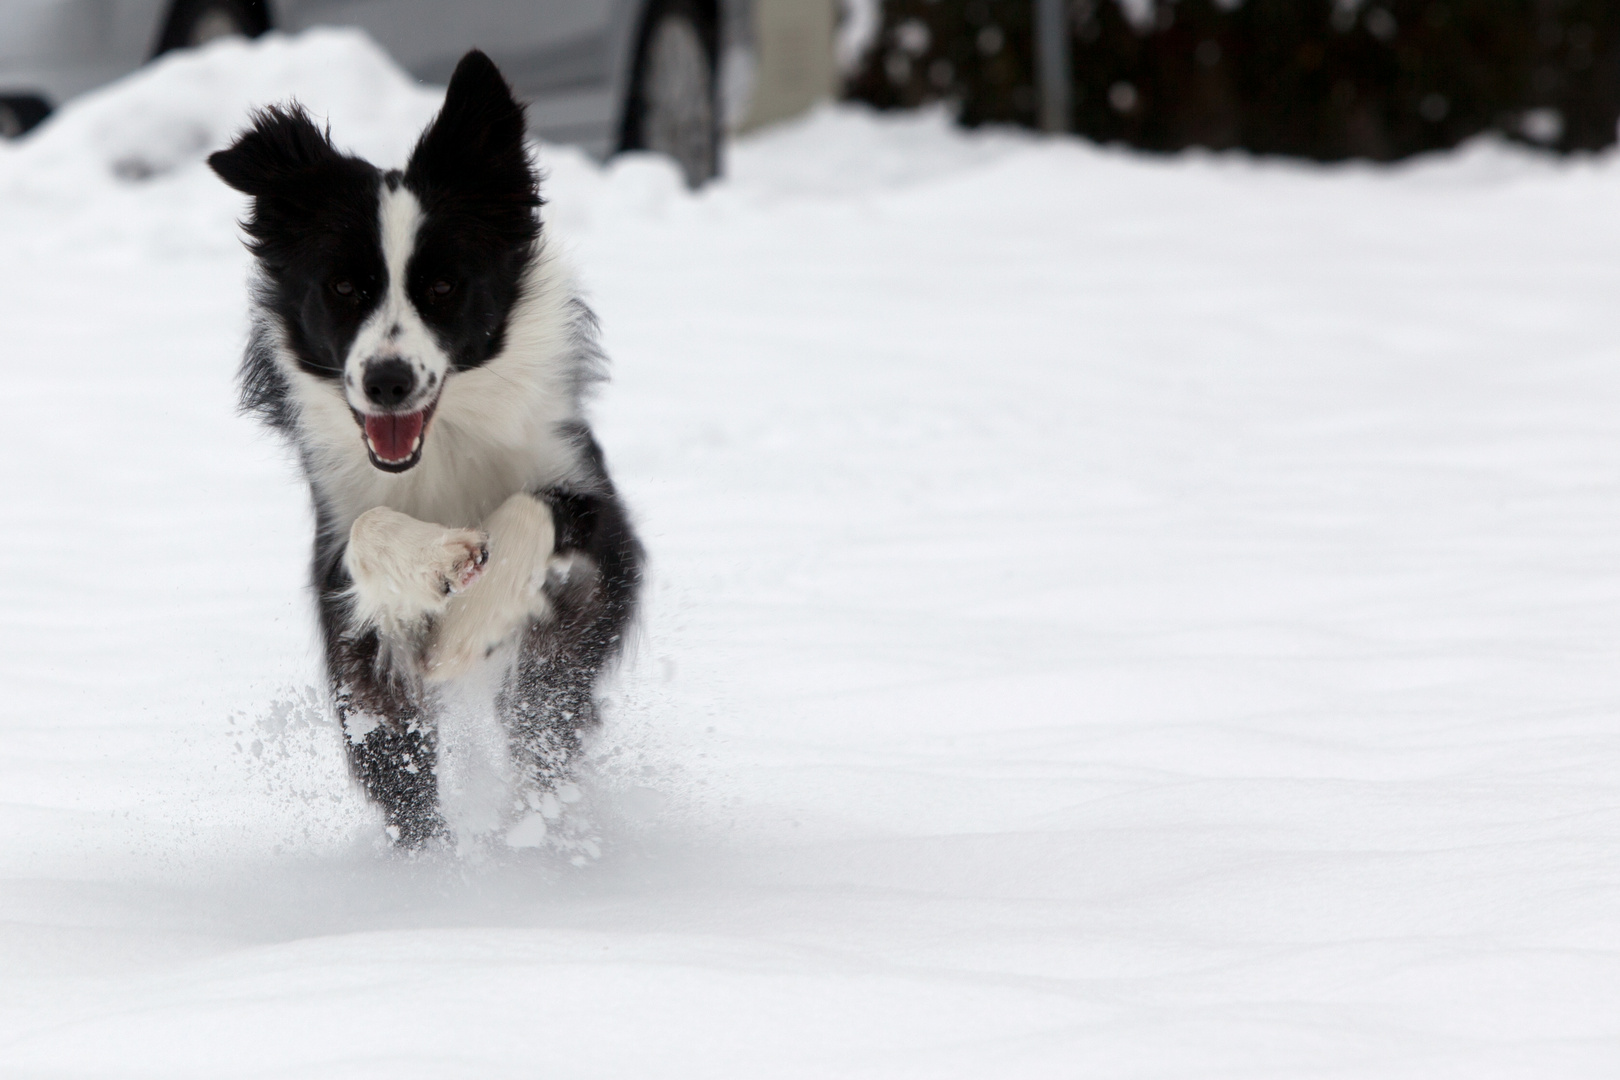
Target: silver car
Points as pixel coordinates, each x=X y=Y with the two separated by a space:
x=608 y=75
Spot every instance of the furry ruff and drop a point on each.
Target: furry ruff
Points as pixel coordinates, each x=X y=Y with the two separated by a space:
x=426 y=356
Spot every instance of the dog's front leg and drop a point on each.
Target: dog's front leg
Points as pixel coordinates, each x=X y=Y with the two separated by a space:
x=476 y=624
x=403 y=570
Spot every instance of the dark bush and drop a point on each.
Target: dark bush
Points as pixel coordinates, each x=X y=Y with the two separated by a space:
x=1323 y=79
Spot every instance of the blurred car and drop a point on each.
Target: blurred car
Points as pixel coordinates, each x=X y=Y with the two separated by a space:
x=608 y=75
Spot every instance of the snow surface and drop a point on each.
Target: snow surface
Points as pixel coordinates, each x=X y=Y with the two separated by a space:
x=1112 y=616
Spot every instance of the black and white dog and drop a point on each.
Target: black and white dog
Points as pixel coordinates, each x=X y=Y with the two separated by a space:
x=424 y=352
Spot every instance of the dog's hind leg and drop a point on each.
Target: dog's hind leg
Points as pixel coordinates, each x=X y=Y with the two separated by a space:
x=394 y=766
x=590 y=589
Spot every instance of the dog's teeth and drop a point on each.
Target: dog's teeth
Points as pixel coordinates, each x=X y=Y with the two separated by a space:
x=416 y=444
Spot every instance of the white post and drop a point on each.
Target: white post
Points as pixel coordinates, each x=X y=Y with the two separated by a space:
x=1052 y=62
x=795 y=66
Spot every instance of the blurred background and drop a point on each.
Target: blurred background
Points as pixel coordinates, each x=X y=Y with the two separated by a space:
x=1317 y=79
x=1321 y=79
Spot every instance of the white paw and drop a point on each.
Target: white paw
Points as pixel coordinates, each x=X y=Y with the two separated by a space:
x=460 y=561
x=404 y=569
x=478 y=624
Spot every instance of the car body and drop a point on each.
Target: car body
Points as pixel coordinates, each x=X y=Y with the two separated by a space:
x=578 y=62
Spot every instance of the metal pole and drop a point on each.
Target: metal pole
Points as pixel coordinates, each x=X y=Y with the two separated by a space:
x=1052 y=62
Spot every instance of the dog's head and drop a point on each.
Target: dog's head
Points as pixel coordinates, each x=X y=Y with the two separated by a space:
x=389 y=283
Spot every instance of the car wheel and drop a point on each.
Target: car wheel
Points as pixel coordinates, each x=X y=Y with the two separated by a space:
x=672 y=108
x=20 y=115
x=197 y=22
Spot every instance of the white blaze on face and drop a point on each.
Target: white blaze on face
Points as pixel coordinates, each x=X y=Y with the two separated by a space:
x=395 y=331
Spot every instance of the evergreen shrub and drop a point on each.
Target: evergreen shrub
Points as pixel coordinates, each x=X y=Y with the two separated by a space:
x=1321 y=79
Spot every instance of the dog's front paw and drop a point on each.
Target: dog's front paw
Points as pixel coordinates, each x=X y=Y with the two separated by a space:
x=459 y=561
x=475 y=626
x=404 y=569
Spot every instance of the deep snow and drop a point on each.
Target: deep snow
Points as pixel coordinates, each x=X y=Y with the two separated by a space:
x=1111 y=616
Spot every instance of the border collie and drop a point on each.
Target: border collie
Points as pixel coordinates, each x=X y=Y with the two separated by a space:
x=423 y=351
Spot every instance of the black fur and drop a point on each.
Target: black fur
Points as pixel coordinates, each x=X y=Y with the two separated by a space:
x=479 y=194
x=314 y=223
x=314 y=227
x=315 y=233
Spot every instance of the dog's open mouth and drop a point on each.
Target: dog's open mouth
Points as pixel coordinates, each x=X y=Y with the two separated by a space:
x=395 y=440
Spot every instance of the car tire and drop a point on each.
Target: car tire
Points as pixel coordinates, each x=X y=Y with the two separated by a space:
x=20 y=115
x=197 y=22
x=673 y=107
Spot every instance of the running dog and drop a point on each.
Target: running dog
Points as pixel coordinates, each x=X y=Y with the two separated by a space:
x=422 y=350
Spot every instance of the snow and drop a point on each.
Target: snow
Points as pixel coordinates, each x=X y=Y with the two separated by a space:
x=1111 y=616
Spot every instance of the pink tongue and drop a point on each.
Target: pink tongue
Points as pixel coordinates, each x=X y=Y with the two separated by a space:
x=392 y=437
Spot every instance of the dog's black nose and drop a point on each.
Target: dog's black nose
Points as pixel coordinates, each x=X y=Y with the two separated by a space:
x=388 y=382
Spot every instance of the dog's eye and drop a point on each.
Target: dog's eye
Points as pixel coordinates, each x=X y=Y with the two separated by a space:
x=343 y=287
x=442 y=288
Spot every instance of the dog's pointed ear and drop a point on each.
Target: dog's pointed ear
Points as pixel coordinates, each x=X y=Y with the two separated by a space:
x=475 y=144
x=283 y=146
